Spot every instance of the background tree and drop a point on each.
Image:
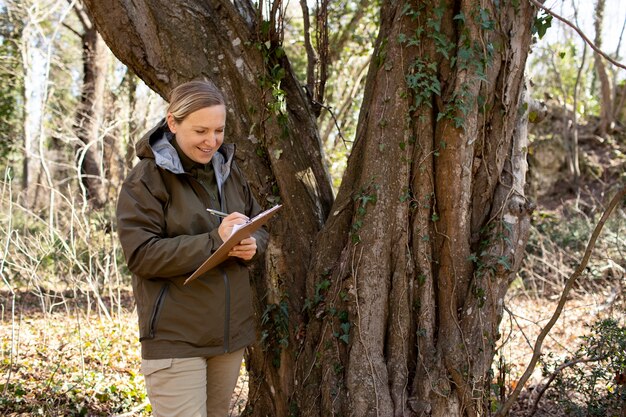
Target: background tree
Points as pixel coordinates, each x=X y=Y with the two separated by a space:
x=11 y=83
x=394 y=307
x=47 y=99
x=90 y=114
x=34 y=96
x=350 y=29
x=606 y=95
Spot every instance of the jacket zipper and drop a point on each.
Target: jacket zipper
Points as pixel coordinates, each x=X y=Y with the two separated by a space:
x=155 y=312
x=226 y=311
x=224 y=277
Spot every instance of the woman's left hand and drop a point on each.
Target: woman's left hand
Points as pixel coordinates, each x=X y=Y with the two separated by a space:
x=245 y=249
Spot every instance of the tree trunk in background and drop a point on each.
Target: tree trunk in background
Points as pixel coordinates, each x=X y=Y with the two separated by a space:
x=34 y=91
x=120 y=127
x=606 y=104
x=133 y=130
x=90 y=116
x=393 y=308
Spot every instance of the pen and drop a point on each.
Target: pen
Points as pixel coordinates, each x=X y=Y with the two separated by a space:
x=217 y=213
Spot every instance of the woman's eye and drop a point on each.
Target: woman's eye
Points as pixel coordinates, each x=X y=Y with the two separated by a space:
x=200 y=132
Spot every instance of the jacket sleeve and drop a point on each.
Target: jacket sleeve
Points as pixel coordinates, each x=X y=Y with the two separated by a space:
x=141 y=228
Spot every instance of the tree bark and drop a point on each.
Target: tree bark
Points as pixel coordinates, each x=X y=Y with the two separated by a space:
x=392 y=309
x=429 y=224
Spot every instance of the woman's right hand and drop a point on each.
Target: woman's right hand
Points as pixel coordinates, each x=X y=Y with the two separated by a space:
x=226 y=227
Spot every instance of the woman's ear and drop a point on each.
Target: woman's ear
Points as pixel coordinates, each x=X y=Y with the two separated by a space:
x=171 y=123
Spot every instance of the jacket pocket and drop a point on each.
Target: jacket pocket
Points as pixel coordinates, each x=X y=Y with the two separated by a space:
x=156 y=312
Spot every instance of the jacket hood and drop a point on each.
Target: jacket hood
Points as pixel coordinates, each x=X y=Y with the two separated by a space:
x=156 y=144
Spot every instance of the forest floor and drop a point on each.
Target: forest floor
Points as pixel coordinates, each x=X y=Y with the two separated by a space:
x=65 y=355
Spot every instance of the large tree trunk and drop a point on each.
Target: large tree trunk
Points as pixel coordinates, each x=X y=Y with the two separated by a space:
x=430 y=222
x=392 y=309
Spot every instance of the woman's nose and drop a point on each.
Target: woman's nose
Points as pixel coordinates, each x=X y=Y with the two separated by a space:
x=211 y=140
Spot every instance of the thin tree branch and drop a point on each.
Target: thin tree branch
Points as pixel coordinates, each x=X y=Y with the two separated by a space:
x=617 y=199
x=276 y=21
x=618 y=100
x=580 y=32
x=71 y=29
x=332 y=114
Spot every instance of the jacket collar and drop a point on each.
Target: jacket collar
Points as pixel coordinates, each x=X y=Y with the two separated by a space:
x=157 y=144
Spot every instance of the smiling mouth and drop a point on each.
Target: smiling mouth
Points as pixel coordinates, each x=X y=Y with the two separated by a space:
x=205 y=150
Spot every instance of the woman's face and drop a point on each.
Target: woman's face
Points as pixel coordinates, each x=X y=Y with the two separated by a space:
x=201 y=133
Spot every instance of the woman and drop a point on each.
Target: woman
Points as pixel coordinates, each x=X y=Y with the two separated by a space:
x=192 y=336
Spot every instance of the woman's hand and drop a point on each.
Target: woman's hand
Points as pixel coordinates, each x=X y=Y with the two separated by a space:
x=245 y=249
x=226 y=227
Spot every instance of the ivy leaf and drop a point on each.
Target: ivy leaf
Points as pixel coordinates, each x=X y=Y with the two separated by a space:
x=504 y=261
x=541 y=24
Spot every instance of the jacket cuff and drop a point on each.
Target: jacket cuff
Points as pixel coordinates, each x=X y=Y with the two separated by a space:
x=215 y=240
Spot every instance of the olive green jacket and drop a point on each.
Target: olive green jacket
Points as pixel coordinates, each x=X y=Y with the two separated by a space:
x=166 y=233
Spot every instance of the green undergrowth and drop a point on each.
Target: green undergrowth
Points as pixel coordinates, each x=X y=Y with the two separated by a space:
x=69 y=363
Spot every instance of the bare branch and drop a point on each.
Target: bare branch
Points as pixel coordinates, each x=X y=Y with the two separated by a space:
x=71 y=29
x=617 y=199
x=580 y=32
x=332 y=114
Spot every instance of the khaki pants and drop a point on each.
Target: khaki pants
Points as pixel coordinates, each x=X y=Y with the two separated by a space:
x=192 y=387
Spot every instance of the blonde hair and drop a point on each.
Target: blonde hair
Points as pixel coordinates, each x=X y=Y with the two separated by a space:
x=191 y=96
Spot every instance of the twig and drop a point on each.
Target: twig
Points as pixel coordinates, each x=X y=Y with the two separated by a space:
x=332 y=114
x=519 y=326
x=617 y=199
x=580 y=32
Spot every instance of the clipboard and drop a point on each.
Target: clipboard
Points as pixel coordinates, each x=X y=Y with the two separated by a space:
x=239 y=233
